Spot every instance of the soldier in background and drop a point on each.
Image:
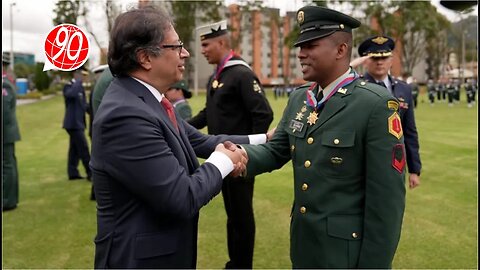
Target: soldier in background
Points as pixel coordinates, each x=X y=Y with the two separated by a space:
x=236 y=104
x=469 y=89
x=415 y=91
x=431 y=89
x=450 y=91
x=10 y=135
x=178 y=94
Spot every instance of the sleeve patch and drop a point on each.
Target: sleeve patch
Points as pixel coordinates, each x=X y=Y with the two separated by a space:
x=398 y=158
x=395 y=125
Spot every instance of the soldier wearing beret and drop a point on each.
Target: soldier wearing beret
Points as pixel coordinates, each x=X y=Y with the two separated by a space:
x=236 y=104
x=10 y=134
x=379 y=49
x=344 y=138
x=178 y=94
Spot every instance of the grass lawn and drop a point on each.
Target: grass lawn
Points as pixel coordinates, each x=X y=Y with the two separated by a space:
x=55 y=223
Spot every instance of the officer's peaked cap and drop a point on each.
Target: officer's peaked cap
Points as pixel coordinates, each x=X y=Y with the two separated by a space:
x=182 y=85
x=376 y=46
x=317 y=22
x=213 y=30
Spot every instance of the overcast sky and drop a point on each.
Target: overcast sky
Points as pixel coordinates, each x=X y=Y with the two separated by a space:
x=32 y=20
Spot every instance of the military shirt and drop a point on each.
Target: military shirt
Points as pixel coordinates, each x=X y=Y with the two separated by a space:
x=10 y=129
x=403 y=92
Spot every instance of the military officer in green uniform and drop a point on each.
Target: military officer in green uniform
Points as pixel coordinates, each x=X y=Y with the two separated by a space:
x=178 y=95
x=345 y=140
x=10 y=135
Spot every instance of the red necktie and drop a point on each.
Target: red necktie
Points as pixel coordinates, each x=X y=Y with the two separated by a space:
x=171 y=114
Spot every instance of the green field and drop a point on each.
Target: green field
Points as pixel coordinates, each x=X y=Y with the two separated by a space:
x=54 y=224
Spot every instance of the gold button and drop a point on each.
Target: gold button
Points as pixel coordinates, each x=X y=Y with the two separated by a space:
x=303 y=209
x=310 y=140
x=355 y=235
x=304 y=186
x=362 y=83
x=336 y=141
x=307 y=163
x=292 y=147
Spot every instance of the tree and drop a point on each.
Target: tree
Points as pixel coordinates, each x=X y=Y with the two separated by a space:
x=41 y=80
x=67 y=11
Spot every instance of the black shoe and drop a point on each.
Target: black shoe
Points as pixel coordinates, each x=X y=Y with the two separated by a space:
x=9 y=208
x=76 y=178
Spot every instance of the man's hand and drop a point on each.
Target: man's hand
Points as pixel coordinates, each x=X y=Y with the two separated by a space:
x=413 y=180
x=358 y=61
x=270 y=133
x=237 y=156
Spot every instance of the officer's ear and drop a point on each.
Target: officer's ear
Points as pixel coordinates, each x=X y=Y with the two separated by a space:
x=342 y=51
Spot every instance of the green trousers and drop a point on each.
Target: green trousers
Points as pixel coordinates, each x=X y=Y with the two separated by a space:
x=10 y=177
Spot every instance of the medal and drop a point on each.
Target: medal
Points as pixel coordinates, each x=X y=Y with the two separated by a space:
x=312 y=118
x=299 y=116
x=215 y=84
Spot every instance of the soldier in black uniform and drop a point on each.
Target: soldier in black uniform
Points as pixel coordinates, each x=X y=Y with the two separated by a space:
x=450 y=91
x=236 y=104
x=10 y=134
x=415 y=91
x=469 y=89
x=431 y=91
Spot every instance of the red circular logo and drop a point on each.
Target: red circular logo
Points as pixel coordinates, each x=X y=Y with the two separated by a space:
x=66 y=47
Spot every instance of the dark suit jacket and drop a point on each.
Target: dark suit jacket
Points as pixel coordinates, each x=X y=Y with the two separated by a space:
x=403 y=92
x=148 y=183
x=75 y=105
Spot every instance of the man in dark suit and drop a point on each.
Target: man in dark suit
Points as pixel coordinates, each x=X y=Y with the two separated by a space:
x=74 y=123
x=236 y=104
x=380 y=49
x=344 y=138
x=148 y=183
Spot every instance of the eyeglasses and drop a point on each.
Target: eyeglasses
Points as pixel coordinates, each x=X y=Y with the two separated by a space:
x=178 y=47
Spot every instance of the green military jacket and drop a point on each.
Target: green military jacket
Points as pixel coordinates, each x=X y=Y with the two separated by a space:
x=349 y=191
x=11 y=133
x=183 y=109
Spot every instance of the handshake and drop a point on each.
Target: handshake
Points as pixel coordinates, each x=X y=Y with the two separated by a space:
x=236 y=154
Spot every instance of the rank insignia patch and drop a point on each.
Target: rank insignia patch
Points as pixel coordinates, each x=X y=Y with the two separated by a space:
x=392 y=105
x=398 y=158
x=256 y=87
x=395 y=125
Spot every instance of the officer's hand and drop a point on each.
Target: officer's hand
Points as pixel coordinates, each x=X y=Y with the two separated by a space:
x=413 y=180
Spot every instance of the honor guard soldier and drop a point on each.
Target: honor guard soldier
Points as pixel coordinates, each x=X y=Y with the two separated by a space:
x=469 y=88
x=345 y=140
x=178 y=94
x=236 y=104
x=415 y=91
x=450 y=91
x=380 y=50
x=431 y=89
x=10 y=135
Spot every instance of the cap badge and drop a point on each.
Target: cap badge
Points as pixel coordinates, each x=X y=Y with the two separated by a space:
x=379 y=40
x=300 y=17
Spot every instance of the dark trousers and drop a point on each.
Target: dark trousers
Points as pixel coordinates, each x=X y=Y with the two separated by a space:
x=238 y=199
x=78 y=150
x=9 y=177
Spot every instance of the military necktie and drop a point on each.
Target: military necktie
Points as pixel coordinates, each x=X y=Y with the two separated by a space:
x=170 y=111
x=381 y=83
